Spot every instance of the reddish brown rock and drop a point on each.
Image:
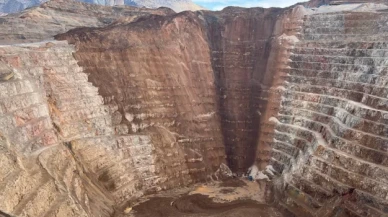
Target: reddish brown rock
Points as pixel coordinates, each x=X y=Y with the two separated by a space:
x=240 y=40
x=240 y=50
x=154 y=102
x=58 y=16
x=162 y=86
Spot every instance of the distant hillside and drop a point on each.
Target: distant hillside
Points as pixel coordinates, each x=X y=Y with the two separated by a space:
x=12 y=6
x=317 y=3
x=59 y=16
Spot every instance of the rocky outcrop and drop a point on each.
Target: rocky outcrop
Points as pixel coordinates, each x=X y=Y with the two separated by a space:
x=41 y=175
x=162 y=86
x=286 y=34
x=58 y=16
x=147 y=100
x=240 y=40
x=235 y=40
x=13 y=6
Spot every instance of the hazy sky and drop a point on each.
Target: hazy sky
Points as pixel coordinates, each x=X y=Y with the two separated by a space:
x=220 y=4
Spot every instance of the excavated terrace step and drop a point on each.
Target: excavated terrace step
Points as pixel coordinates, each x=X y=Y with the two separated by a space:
x=346 y=30
x=348 y=15
x=369 y=101
x=337 y=127
x=350 y=147
x=342 y=52
x=374 y=90
x=321 y=66
x=377 y=189
x=346 y=76
x=345 y=117
x=375 y=61
x=334 y=142
x=378 y=172
x=367 y=97
x=341 y=44
x=345 y=37
x=350 y=106
x=315 y=191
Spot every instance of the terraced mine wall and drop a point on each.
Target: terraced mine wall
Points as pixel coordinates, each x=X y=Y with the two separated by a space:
x=317 y=3
x=159 y=102
x=330 y=140
x=48 y=109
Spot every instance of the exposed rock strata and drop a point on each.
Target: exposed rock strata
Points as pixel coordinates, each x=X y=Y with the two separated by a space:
x=330 y=138
x=58 y=16
x=240 y=40
x=154 y=102
x=317 y=3
x=162 y=86
x=286 y=33
x=40 y=175
x=239 y=54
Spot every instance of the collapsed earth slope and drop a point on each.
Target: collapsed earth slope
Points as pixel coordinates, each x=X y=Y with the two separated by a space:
x=153 y=100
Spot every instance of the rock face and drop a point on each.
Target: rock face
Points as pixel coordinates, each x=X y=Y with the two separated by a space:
x=40 y=173
x=142 y=100
x=58 y=16
x=172 y=97
x=13 y=6
x=240 y=42
x=317 y=3
x=330 y=139
x=236 y=85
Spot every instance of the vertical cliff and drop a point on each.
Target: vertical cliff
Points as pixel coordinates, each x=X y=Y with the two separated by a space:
x=143 y=101
x=163 y=87
x=240 y=40
x=286 y=34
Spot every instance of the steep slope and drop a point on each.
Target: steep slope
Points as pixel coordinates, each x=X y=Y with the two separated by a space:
x=240 y=40
x=163 y=86
x=254 y=80
x=58 y=16
x=157 y=100
x=13 y=6
x=317 y=3
x=330 y=138
x=240 y=50
x=40 y=175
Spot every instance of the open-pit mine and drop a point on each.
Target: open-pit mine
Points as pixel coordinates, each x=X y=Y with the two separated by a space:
x=120 y=111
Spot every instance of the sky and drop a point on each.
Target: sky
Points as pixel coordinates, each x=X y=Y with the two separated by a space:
x=220 y=4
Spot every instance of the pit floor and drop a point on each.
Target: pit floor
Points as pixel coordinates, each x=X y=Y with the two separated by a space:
x=231 y=198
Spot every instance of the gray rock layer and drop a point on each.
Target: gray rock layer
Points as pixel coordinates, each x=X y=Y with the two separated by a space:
x=331 y=135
